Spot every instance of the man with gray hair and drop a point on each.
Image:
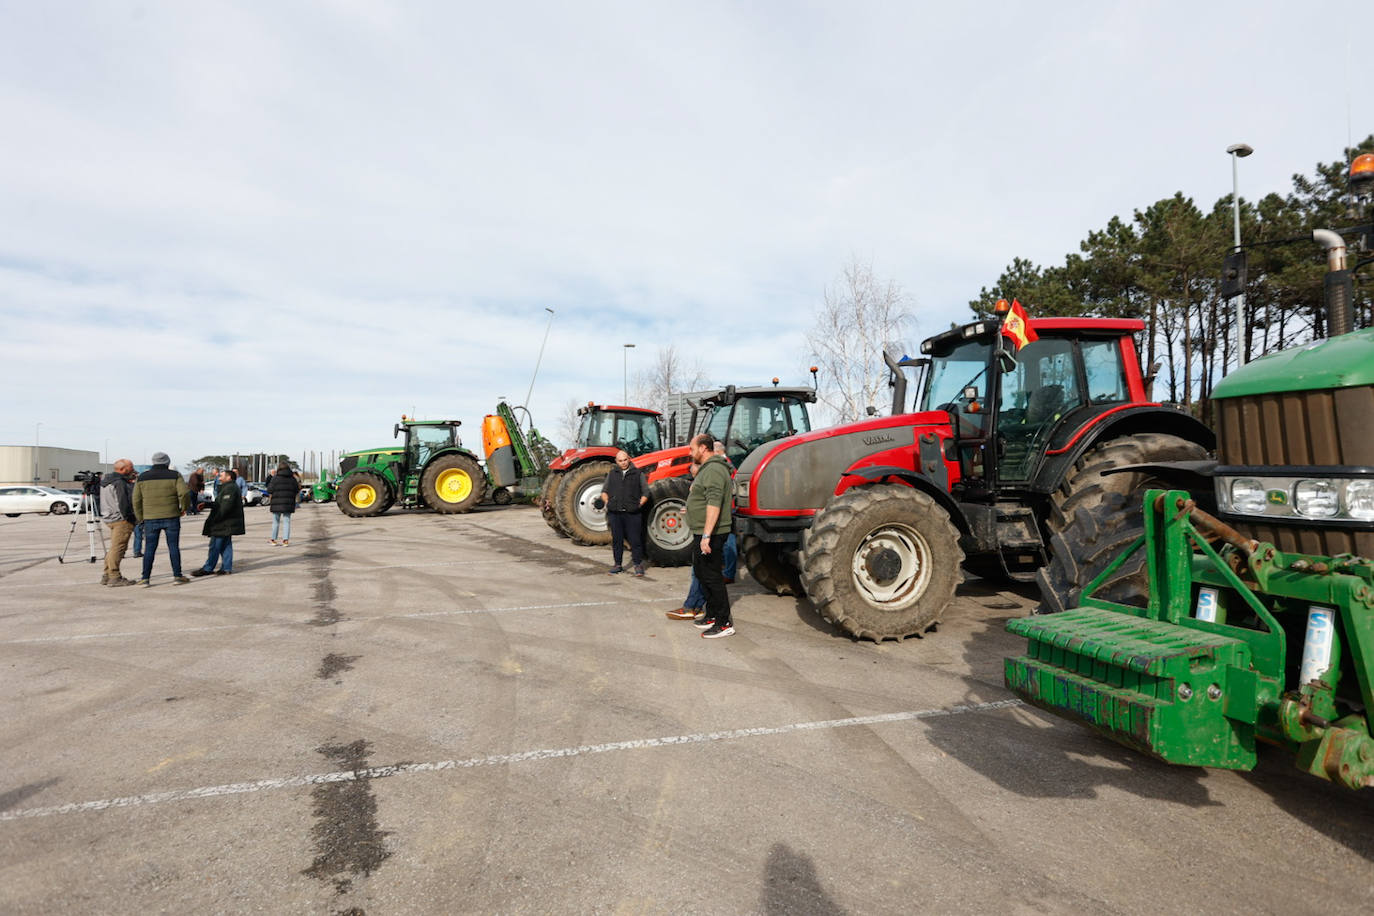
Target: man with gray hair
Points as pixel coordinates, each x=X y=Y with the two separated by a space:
x=161 y=498
x=116 y=500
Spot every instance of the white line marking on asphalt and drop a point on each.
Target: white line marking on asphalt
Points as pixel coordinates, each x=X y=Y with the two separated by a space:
x=452 y=612
x=405 y=769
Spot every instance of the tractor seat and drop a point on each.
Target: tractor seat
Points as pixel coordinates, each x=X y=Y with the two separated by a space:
x=1043 y=404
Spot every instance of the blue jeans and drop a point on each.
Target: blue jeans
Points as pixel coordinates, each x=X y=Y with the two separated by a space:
x=152 y=530
x=731 y=558
x=138 y=538
x=696 y=598
x=282 y=520
x=220 y=548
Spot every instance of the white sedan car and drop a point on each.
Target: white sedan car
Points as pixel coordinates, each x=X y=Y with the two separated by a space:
x=15 y=500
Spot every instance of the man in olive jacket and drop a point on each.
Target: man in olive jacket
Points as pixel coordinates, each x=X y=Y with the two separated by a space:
x=161 y=498
x=225 y=521
x=708 y=518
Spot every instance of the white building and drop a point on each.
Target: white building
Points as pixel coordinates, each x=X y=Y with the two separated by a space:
x=47 y=465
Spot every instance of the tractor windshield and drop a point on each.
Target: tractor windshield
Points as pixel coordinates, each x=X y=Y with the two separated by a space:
x=636 y=433
x=757 y=420
x=954 y=371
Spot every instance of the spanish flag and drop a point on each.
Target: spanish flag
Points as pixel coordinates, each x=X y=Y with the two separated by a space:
x=1016 y=323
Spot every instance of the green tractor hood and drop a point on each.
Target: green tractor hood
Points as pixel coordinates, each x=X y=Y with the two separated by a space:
x=1337 y=362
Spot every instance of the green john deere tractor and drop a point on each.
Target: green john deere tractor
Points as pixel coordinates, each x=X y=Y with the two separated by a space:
x=430 y=469
x=1234 y=604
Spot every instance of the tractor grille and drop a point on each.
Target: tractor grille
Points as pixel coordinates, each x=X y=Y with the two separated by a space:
x=1326 y=428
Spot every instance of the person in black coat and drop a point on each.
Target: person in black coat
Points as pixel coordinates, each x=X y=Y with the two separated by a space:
x=225 y=521
x=624 y=495
x=283 y=488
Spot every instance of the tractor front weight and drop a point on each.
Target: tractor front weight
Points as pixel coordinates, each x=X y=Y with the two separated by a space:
x=1236 y=643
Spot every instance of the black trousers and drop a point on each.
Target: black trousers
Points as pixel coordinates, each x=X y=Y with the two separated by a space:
x=626 y=526
x=708 y=568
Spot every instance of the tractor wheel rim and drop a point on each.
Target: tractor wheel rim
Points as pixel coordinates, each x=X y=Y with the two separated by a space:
x=362 y=496
x=891 y=567
x=668 y=524
x=588 y=515
x=453 y=485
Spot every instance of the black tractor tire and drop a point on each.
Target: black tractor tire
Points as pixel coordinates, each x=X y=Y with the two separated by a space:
x=769 y=566
x=578 y=518
x=547 y=494
x=452 y=484
x=363 y=495
x=1085 y=485
x=882 y=562
x=1093 y=538
x=59 y=508
x=501 y=496
x=667 y=539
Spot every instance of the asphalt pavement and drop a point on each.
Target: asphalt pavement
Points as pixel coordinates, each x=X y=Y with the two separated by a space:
x=464 y=714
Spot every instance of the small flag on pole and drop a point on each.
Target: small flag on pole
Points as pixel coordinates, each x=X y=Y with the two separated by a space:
x=1016 y=323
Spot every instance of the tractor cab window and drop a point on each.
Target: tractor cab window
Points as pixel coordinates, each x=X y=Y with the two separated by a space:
x=757 y=421
x=426 y=440
x=964 y=367
x=1042 y=388
x=636 y=433
x=1104 y=371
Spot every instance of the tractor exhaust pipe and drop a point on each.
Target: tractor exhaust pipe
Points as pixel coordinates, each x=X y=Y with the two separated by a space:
x=1339 y=285
x=897 y=382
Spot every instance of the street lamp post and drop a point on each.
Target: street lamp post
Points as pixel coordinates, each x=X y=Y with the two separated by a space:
x=625 y=377
x=36 y=428
x=1237 y=152
x=539 y=360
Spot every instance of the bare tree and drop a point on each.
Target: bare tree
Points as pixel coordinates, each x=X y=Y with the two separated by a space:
x=671 y=373
x=568 y=422
x=859 y=316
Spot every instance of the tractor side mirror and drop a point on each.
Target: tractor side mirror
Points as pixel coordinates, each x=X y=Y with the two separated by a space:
x=871 y=410
x=1006 y=361
x=396 y=432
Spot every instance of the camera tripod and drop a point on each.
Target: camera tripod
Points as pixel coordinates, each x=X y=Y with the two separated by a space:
x=92 y=530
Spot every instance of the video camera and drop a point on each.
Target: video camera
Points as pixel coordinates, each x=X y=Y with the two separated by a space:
x=89 y=480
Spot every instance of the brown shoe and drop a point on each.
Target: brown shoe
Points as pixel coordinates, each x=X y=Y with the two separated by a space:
x=682 y=613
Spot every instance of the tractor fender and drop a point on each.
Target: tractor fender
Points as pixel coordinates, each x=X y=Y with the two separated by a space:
x=1115 y=423
x=875 y=474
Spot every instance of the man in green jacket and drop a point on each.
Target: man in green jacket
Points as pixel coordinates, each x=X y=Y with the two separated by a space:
x=161 y=498
x=225 y=521
x=708 y=518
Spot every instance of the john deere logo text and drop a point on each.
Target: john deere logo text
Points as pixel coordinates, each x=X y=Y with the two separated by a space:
x=874 y=440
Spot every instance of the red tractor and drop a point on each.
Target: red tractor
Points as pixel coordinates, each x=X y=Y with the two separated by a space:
x=742 y=418
x=872 y=520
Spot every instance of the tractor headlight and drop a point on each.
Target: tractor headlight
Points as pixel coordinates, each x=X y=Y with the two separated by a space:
x=1359 y=500
x=1316 y=498
x=1339 y=498
x=1247 y=496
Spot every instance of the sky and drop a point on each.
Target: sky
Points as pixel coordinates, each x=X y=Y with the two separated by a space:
x=277 y=226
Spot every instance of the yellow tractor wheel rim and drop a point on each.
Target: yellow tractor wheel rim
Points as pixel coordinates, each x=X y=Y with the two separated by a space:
x=453 y=485
x=362 y=496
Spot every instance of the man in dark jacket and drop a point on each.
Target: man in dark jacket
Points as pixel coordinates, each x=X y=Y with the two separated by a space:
x=116 y=498
x=624 y=495
x=282 y=488
x=225 y=521
x=160 y=500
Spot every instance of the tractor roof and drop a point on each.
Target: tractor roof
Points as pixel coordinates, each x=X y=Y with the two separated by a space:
x=616 y=408
x=1055 y=327
x=730 y=394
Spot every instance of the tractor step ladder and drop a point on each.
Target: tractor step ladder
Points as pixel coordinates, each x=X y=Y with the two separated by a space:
x=1173 y=692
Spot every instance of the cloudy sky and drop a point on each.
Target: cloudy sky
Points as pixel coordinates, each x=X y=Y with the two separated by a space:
x=279 y=225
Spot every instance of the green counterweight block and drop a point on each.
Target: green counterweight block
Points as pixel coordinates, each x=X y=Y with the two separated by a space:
x=1182 y=695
